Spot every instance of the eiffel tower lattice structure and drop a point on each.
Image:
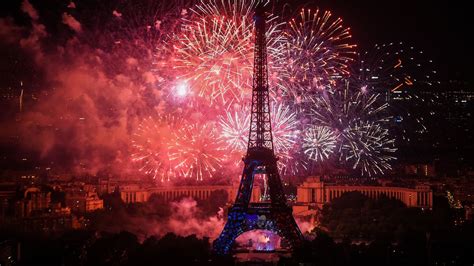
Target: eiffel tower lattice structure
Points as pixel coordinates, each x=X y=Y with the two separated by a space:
x=275 y=216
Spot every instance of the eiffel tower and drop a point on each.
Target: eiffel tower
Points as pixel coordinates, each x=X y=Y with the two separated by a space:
x=244 y=216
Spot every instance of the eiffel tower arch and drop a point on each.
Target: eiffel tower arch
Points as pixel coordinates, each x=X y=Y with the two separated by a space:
x=275 y=216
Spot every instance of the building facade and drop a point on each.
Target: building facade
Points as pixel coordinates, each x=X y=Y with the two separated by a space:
x=34 y=200
x=32 y=210
x=314 y=193
x=82 y=201
x=135 y=194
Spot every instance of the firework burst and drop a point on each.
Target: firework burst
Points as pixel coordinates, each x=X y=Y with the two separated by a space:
x=340 y=108
x=293 y=163
x=359 y=120
x=214 y=51
x=195 y=152
x=317 y=53
x=319 y=143
x=369 y=147
x=285 y=128
x=235 y=128
x=150 y=148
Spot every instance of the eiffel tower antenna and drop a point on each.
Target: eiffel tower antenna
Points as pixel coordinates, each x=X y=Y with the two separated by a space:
x=260 y=159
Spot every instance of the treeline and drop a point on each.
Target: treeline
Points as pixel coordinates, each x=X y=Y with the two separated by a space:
x=357 y=230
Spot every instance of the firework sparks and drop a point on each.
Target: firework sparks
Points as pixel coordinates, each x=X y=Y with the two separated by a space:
x=195 y=152
x=150 y=144
x=235 y=128
x=317 y=52
x=369 y=148
x=358 y=119
x=284 y=127
x=340 y=108
x=182 y=89
x=293 y=163
x=215 y=49
x=319 y=143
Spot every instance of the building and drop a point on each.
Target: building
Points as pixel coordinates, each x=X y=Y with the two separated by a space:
x=31 y=210
x=83 y=201
x=203 y=192
x=106 y=186
x=421 y=169
x=48 y=223
x=34 y=200
x=314 y=193
x=134 y=193
x=7 y=195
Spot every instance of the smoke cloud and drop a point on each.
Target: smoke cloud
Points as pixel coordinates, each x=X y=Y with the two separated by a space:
x=184 y=218
x=184 y=221
x=86 y=102
x=71 y=22
x=29 y=9
x=9 y=31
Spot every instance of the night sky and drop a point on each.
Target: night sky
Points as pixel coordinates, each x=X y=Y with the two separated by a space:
x=442 y=29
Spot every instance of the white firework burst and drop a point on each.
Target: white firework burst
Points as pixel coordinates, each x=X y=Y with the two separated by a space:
x=319 y=142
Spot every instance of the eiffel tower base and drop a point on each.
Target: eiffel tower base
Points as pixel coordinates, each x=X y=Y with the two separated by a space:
x=278 y=220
